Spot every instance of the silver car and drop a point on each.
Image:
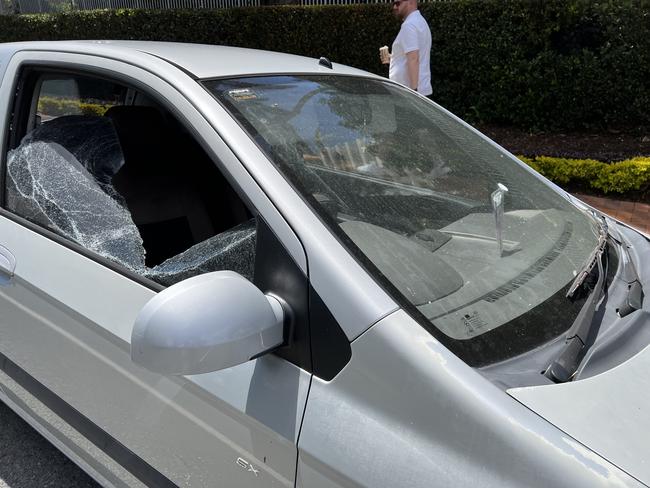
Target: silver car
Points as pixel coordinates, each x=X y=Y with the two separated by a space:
x=223 y=267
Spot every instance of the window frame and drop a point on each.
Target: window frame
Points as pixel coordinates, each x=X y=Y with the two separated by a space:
x=26 y=81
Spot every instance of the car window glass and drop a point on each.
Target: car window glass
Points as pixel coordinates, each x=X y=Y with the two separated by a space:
x=67 y=95
x=130 y=184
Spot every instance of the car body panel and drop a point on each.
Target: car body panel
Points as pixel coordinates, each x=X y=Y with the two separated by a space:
x=204 y=60
x=601 y=410
x=607 y=410
x=201 y=60
x=6 y=52
x=58 y=430
x=434 y=421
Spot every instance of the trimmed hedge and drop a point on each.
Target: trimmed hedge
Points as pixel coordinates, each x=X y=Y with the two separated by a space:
x=541 y=64
x=622 y=177
x=61 y=106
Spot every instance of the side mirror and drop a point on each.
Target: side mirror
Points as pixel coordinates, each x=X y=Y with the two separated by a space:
x=206 y=323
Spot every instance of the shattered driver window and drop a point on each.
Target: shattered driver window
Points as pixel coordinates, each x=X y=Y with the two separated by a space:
x=130 y=184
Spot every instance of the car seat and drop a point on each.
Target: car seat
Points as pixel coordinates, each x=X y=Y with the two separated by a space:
x=158 y=184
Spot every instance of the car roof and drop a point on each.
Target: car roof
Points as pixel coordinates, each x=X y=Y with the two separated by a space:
x=200 y=60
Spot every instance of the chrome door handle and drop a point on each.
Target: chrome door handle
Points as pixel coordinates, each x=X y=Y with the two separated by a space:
x=7 y=265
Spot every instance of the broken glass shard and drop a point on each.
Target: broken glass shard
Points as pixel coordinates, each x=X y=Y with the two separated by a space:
x=92 y=140
x=233 y=250
x=48 y=185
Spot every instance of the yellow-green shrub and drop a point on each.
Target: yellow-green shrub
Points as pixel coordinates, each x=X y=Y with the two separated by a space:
x=625 y=176
x=56 y=107
x=93 y=108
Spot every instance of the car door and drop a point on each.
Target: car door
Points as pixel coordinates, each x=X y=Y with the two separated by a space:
x=68 y=307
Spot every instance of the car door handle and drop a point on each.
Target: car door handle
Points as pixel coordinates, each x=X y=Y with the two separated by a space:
x=7 y=265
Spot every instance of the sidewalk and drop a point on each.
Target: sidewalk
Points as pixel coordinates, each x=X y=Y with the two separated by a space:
x=633 y=213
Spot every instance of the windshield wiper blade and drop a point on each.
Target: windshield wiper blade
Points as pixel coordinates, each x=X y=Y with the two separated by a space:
x=565 y=366
x=591 y=261
x=578 y=337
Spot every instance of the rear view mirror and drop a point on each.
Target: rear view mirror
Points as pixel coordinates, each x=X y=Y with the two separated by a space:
x=206 y=323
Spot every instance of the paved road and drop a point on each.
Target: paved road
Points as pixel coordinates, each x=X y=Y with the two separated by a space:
x=636 y=214
x=27 y=460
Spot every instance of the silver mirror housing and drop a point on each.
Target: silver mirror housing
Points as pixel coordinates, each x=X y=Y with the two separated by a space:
x=206 y=323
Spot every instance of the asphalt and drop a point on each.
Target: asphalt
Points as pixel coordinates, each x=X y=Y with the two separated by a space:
x=27 y=460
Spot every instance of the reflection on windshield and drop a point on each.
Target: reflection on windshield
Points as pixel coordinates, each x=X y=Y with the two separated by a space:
x=468 y=236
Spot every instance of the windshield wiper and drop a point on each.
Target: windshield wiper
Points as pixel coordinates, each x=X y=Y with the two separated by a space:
x=578 y=337
x=592 y=259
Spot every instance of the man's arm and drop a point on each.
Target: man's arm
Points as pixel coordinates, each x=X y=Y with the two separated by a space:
x=413 y=67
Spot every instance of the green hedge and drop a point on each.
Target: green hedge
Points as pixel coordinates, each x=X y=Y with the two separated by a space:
x=631 y=175
x=60 y=106
x=542 y=64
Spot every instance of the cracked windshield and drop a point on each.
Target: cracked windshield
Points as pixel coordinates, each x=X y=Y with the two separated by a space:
x=471 y=239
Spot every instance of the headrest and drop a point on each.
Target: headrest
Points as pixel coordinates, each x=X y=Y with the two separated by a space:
x=142 y=131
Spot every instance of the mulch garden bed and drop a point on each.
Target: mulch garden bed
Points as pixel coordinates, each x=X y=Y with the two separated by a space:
x=606 y=146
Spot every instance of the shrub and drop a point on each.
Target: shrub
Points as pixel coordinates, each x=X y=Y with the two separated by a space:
x=626 y=176
x=55 y=106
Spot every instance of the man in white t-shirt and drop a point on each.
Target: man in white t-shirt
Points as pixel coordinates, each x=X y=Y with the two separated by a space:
x=411 y=52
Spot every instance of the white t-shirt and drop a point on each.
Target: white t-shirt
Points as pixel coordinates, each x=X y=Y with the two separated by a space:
x=414 y=35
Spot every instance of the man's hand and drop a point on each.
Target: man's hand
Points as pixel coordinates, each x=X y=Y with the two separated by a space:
x=413 y=67
x=384 y=55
